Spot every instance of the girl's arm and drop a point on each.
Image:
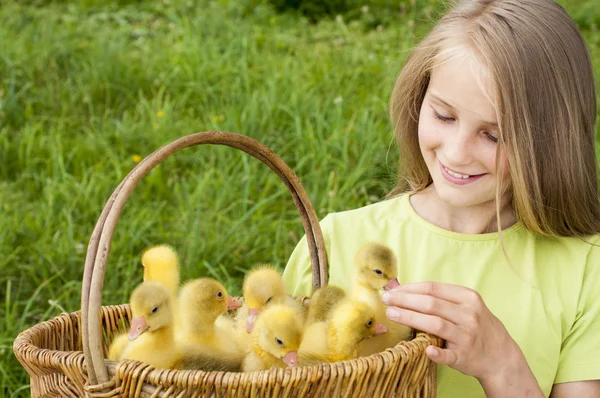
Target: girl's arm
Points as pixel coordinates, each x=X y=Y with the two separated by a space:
x=514 y=380
x=590 y=388
x=477 y=344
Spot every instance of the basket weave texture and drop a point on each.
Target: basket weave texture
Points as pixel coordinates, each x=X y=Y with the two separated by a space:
x=65 y=356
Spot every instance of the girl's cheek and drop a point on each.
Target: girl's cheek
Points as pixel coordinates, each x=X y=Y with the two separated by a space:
x=503 y=168
x=430 y=135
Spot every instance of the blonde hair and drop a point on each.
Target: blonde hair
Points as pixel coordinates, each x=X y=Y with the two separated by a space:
x=543 y=84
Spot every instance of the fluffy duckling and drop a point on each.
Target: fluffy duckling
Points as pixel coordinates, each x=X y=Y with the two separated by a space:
x=375 y=270
x=276 y=338
x=322 y=302
x=161 y=264
x=151 y=336
x=263 y=285
x=351 y=323
x=201 y=301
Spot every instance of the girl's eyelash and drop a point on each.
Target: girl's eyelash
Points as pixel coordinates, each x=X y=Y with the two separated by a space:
x=492 y=138
x=442 y=118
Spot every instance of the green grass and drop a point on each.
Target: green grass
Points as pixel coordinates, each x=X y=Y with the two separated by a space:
x=87 y=86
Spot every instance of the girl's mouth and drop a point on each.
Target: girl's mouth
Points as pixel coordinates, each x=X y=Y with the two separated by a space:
x=458 y=178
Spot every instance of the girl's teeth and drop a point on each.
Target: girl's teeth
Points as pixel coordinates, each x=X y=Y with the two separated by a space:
x=457 y=175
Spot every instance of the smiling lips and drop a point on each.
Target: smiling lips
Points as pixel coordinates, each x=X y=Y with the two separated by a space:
x=458 y=178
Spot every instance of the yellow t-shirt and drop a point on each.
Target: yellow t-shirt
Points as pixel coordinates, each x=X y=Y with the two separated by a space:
x=548 y=298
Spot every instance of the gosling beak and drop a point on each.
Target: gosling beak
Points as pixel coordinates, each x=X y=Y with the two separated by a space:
x=138 y=326
x=380 y=329
x=252 y=315
x=392 y=284
x=232 y=303
x=291 y=358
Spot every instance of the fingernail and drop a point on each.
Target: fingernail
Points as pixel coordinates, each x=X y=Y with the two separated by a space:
x=392 y=312
x=386 y=297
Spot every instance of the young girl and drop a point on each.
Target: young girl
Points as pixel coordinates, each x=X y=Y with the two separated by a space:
x=496 y=216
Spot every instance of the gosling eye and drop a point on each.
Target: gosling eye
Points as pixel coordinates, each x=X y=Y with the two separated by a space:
x=268 y=300
x=220 y=294
x=378 y=272
x=279 y=341
x=370 y=323
x=154 y=309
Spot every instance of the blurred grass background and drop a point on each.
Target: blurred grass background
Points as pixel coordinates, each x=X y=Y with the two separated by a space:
x=89 y=87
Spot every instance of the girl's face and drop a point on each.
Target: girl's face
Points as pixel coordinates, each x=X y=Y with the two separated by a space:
x=458 y=136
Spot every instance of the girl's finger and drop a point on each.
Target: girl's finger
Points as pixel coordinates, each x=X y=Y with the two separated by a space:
x=426 y=304
x=441 y=356
x=454 y=293
x=427 y=323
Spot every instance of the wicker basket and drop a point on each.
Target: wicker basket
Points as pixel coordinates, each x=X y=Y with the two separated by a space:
x=65 y=356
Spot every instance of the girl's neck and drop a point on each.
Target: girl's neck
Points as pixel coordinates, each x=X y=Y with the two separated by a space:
x=479 y=219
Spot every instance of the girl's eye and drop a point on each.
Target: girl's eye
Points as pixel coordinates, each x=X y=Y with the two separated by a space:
x=491 y=137
x=444 y=119
x=278 y=341
x=154 y=309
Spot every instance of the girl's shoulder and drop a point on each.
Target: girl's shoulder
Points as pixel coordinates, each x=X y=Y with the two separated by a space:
x=585 y=248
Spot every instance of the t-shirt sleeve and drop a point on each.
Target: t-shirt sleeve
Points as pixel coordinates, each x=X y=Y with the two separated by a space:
x=580 y=351
x=297 y=275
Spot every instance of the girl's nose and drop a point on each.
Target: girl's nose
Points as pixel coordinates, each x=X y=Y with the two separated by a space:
x=457 y=148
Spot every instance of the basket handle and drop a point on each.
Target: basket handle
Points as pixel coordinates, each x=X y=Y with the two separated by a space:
x=99 y=244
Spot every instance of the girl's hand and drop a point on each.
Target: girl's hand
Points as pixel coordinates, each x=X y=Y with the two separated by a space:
x=477 y=344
